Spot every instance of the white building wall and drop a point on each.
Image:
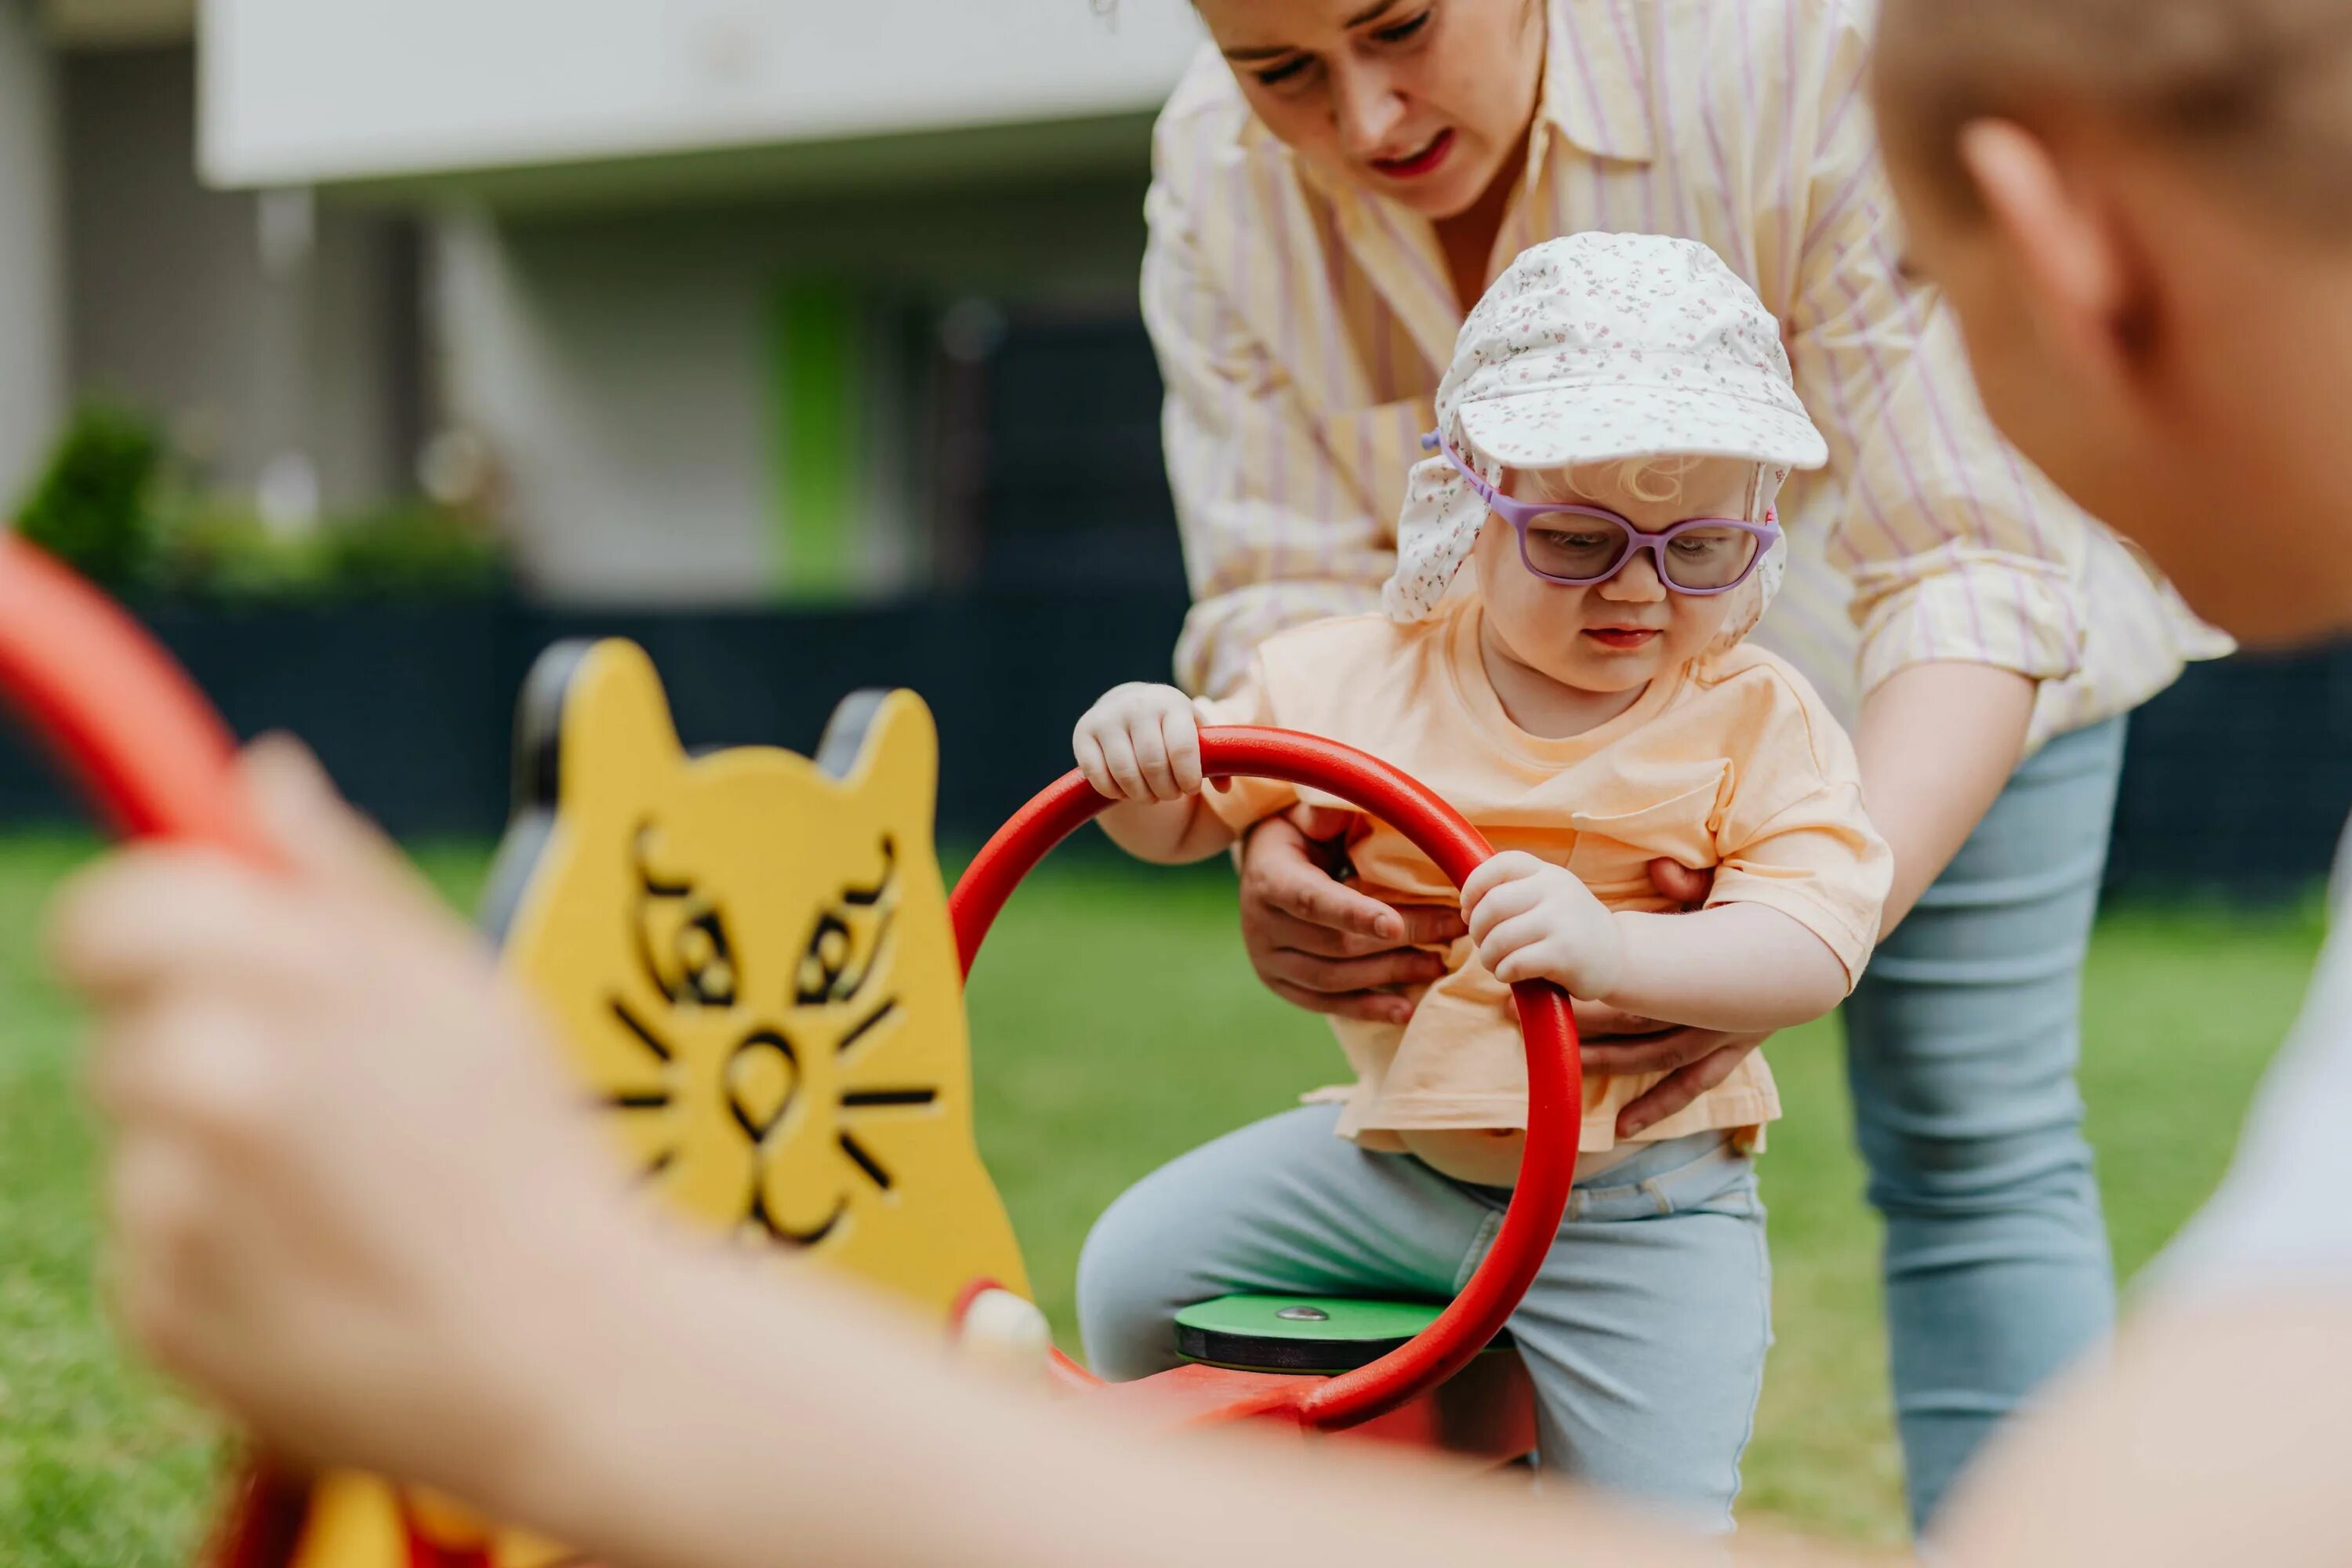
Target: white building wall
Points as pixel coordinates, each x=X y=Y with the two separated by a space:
x=32 y=281
x=622 y=370
x=264 y=329
x=617 y=385
x=303 y=92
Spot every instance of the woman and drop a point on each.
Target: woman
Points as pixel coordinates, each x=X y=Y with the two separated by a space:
x=1335 y=183
x=2141 y=209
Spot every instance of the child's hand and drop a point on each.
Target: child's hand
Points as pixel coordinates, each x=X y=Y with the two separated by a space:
x=1141 y=742
x=1534 y=920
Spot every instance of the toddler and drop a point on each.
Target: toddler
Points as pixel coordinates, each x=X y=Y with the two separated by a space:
x=1611 y=435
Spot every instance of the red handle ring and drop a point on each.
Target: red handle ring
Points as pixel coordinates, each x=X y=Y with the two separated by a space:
x=152 y=754
x=128 y=725
x=1554 y=1077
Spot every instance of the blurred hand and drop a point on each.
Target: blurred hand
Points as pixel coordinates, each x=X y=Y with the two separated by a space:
x=345 y=1178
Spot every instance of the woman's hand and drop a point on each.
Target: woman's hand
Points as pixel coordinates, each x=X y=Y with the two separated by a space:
x=1141 y=742
x=1318 y=943
x=345 y=1178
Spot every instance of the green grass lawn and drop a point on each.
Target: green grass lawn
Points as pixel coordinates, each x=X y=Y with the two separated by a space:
x=1115 y=1026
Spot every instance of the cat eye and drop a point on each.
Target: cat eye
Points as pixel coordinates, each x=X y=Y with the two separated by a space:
x=829 y=971
x=682 y=939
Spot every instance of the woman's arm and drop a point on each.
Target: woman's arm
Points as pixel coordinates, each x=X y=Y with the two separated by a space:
x=1937 y=744
x=1964 y=562
x=1276 y=532
x=784 y=1416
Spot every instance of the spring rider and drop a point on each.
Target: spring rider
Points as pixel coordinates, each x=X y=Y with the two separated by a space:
x=757 y=972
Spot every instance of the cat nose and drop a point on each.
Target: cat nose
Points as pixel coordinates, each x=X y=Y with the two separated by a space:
x=762 y=1077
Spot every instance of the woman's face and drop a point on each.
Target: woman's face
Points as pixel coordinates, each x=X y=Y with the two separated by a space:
x=1424 y=102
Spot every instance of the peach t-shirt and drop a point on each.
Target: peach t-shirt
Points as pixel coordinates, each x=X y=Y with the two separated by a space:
x=1731 y=763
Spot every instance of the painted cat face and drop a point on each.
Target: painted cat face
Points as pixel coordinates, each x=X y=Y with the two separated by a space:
x=748 y=959
x=749 y=954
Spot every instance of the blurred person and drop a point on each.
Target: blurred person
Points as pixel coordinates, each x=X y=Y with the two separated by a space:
x=1562 y=658
x=2143 y=208
x=1334 y=182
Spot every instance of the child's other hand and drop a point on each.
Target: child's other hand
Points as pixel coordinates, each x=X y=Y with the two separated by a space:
x=1534 y=920
x=1141 y=742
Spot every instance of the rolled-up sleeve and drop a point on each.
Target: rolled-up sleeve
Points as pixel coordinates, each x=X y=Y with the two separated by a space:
x=1275 y=534
x=1794 y=836
x=1957 y=550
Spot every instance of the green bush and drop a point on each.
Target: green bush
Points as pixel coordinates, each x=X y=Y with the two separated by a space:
x=215 y=552
x=94 y=505
x=398 y=553
x=112 y=504
x=412 y=551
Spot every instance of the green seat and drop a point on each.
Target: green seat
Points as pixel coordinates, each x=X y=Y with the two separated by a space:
x=1302 y=1333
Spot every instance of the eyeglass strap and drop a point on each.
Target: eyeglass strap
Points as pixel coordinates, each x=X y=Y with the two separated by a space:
x=1435 y=441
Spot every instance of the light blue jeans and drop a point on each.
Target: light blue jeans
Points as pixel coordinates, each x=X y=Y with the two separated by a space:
x=1962 y=1041
x=1645 y=1332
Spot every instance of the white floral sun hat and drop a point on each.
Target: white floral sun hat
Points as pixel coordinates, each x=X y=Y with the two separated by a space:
x=1593 y=349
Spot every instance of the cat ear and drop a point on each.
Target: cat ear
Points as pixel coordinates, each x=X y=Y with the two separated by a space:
x=887 y=736
x=592 y=719
x=590 y=709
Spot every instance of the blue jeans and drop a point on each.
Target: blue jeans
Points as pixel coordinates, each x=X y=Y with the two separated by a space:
x=1962 y=1041
x=1645 y=1333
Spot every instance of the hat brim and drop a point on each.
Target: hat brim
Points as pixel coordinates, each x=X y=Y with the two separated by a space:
x=1558 y=426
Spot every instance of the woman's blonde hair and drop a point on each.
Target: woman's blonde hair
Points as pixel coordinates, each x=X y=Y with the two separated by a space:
x=2259 y=89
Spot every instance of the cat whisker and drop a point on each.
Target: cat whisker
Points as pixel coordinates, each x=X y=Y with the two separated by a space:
x=866 y=1025
x=869 y=1099
x=866 y=1162
x=644 y=1035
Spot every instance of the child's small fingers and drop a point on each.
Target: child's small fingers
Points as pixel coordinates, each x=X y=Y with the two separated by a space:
x=1151 y=759
x=1119 y=757
x=1183 y=739
x=1544 y=958
x=1501 y=903
x=1089 y=752
x=1497 y=870
x=1510 y=936
x=1480 y=882
x=1526 y=964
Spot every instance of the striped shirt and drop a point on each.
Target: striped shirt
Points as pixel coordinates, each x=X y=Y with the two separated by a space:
x=1302 y=324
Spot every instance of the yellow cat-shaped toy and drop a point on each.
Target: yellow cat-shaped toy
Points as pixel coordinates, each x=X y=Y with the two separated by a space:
x=749 y=959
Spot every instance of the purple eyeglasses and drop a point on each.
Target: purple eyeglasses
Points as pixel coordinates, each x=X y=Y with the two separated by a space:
x=1576 y=546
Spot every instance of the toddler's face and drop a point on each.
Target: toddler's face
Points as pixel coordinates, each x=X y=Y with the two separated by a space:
x=1619 y=634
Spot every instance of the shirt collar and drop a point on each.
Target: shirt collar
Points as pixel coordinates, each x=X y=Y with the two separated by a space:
x=1596 y=79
